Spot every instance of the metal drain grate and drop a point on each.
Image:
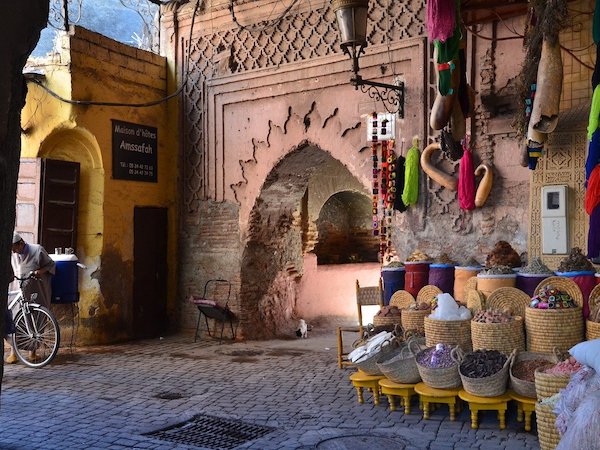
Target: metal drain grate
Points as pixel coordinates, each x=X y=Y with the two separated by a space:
x=212 y=432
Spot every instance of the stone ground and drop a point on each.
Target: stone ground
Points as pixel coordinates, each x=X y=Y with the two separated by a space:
x=110 y=397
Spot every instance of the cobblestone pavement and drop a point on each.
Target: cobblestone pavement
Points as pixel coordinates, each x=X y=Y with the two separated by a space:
x=110 y=397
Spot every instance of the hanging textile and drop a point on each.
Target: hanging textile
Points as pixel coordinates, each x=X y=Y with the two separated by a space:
x=466 y=181
x=594 y=113
x=592 y=194
x=593 y=156
x=446 y=53
x=594 y=234
x=399 y=183
x=410 y=193
x=441 y=19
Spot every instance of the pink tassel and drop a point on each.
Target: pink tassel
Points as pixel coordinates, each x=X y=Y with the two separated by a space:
x=441 y=19
x=466 y=181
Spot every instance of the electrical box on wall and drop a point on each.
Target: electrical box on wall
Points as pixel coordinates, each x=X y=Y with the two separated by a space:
x=554 y=220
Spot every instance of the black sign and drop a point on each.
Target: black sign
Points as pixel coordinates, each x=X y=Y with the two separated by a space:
x=134 y=151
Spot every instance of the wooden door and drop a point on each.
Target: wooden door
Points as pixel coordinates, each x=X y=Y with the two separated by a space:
x=28 y=199
x=149 y=271
x=59 y=204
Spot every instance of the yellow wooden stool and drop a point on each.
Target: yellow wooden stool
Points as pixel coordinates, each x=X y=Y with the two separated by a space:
x=404 y=391
x=361 y=380
x=431 y=395
x=476 y=404
x=525 y=406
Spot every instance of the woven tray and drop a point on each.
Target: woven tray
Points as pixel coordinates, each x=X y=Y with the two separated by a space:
x=451 y=332
x=563 y=284
x=510 y=300
x=475 y=300
x=444 y=378
x=523 y=387
x=402 y=299
x=414 y=320
x=490 y=386
x=546 y=385
x=548 y=329
x=547 y=432
x=428 y=293
x=504 y=337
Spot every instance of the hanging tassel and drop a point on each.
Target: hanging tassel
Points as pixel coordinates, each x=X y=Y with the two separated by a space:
x=594 y=113
x=592 y=194
x=593 y=157
x=594 y=234
x=466 y=181
x=441 y=19
x=410 y=193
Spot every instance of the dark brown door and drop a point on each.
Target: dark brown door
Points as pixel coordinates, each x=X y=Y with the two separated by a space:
x=59 y=204
x=149 y=271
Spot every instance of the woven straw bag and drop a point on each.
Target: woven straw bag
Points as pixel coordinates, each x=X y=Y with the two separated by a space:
x=547 y=432
x=547 y=384
x=428 y=293
x=401 y=367
x=523 y=387
x=451 y=332
x=490 y=386
x=368 y=365
x=509 y=299
x=384 y=321
x=475 y=300
x=548 y=329
x=592 y=329
x=440 y=378
x=504 y=337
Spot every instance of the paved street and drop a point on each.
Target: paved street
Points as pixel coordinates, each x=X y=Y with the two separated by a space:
x=289 y=393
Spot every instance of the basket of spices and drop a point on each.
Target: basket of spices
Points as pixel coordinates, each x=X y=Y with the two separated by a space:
x=551 y=380
x=484 y=372
x=462 y=274
x=441 y=273
x=387 y=316
x=402 y=366
x=497 y=330
x=488 y=280
x=554 y=318
x=579 y=269
x=413 y=318
x=416 y=272
x=437 y=368
x=522 y=371
x=531 y=275
x=592 y=329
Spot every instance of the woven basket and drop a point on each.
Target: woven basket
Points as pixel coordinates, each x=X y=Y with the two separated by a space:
x=401 y=367
x=563 y=284
x=548 y=329
x=384 y=321
x=470 y=284
x=475 y=300
x=443 y=378
x=592 y=329
x=490 y=386
x=510 y=300
x=428 y=293
x=402 y=299
x=523 y=387
x=369 y=365
x=547 y=432
x=451 y=332
x=414 y=319
x=504 y=337
x=546 y=384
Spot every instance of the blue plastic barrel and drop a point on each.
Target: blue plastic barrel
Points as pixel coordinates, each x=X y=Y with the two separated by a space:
x=393 y=280
x=65 y=282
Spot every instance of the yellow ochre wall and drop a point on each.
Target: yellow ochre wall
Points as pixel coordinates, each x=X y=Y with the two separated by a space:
x=95 y=68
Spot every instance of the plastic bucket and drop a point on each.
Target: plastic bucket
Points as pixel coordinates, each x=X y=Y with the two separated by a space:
x=586 y=280
x=65 y=282
x=393 y=280
x=416 y=276
x=487 y=284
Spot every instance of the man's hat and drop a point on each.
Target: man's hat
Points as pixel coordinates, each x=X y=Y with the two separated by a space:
x=16 y=238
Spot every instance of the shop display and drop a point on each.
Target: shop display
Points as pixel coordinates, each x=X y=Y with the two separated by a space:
x=503 y=255
x=525 y=370
x=492 y=316
x=531 y=275
x=482 y=363
x=497 y=330
x=418 y=256
x=495 y=277
x=551 y=298
x=575 y=262
x=388 y=316
x=438 y=368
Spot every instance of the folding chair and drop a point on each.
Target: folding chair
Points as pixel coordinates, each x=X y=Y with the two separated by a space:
x=209 y=308
x=368 y=295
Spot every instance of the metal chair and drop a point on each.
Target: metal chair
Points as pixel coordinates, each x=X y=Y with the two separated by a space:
x=368 y=295
x=209 y=308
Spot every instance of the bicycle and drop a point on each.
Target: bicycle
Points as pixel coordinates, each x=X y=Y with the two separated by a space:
x=37 y=335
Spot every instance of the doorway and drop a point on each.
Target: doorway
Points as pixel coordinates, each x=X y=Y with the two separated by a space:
x=149 y=271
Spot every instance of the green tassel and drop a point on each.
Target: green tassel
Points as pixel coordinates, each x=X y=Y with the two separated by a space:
x=410 y=194
x=594 y=113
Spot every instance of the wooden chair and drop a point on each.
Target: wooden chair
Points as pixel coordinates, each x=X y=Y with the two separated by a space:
x=368 y=295
x=209 y=307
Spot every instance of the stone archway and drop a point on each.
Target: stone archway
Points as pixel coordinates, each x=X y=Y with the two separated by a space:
x=272 y=257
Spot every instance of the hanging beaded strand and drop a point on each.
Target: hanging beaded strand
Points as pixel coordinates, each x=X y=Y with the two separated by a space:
x=383 y=193
x=391 y=193
x=375 y=186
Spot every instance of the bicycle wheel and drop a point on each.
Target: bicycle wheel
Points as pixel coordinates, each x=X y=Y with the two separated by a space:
x=38 y=346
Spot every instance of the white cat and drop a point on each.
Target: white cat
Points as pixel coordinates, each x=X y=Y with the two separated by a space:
x=302 y=329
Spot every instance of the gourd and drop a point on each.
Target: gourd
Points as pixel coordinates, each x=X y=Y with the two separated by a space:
x=485 y=186
x=434 y=173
